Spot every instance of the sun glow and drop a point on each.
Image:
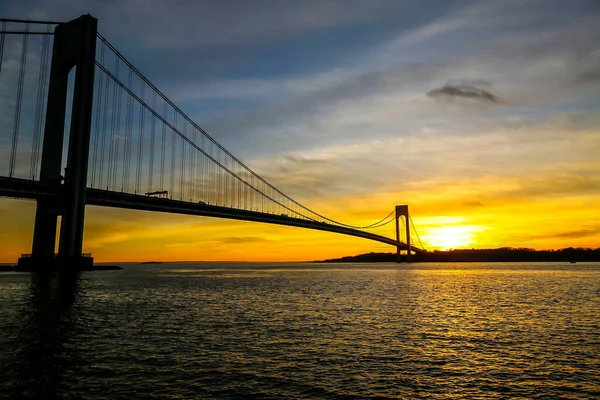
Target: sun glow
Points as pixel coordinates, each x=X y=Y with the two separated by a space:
x=450 y=237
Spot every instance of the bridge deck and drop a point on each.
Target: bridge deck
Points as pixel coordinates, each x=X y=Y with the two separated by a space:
x=29 y=189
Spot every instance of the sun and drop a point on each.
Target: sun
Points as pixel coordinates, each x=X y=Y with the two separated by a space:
x=450 y=237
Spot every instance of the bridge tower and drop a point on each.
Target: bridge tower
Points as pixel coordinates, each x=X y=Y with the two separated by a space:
x=402 y=211
x=74 y=46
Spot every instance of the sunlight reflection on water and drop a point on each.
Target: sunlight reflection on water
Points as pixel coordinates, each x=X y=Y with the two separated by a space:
x=307 y=331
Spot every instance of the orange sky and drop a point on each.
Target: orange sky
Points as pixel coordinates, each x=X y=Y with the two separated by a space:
x=446 y=221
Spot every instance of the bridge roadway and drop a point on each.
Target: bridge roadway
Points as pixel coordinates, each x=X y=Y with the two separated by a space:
x=30 y=189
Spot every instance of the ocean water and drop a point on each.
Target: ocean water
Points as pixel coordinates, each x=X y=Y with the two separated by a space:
x=305 y=331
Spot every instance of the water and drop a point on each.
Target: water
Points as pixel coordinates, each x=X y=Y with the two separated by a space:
x=286 y=331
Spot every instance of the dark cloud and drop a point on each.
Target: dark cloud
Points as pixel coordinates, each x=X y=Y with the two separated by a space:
x=470 y=90
x=589 y=77
x=473 y=203
x=586 y=65
x=578 y=234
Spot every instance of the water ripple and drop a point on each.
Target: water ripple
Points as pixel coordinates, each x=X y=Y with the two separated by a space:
x=308 y=332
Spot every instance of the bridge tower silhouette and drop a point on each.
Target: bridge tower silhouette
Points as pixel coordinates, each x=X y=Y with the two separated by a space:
x=129 y=147
x=402 y=211
x=74 y=46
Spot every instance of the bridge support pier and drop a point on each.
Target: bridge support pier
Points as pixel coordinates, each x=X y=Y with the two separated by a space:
x=402 y=211
x=74 y=46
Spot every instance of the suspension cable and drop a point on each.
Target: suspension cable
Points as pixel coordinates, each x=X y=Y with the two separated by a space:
x=176 y=131
x=381 y=222
x=250 y=171
x=416 y=233
x=253 y=174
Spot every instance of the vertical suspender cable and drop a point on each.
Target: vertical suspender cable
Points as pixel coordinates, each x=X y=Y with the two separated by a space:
x=117 y=137
x=128 y=137
x=236 y=188
x=215 y=173
x=111 y=137
x=225 y=182
x=39 y=106
x=219 y=187
x=98 y=118
x=152 y=131
x=129 y=141
x=162 y=152
x=211 y=176
x=182 y=164
x=252 y=193
x=2 y=35
x=193 y=170
x=138 y=177
x=192 y=167
x=113 y=132
x=229 y=181
x=203 y=171
x=104 y=128
x=232 y=184
x=17 y=120
x=220 y=177
x=224 y=179
x=172 y=183
x=245 y=194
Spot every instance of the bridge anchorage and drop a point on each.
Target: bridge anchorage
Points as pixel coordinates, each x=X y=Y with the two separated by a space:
x=129 y=146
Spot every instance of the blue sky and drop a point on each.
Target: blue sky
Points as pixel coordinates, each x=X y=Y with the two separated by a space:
x=277 y=70
x=447 y=103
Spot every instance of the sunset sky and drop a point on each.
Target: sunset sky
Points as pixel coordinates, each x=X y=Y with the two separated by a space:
x=482 y=116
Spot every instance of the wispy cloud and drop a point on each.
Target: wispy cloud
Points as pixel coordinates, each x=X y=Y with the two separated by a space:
x=243 y=240
x=229 y=22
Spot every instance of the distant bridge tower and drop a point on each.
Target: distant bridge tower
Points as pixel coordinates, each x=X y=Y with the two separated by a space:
x=402 y=211
x=74 y=46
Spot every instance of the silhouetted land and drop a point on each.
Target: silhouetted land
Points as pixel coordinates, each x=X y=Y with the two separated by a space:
x=503 y=254
x=15 y=268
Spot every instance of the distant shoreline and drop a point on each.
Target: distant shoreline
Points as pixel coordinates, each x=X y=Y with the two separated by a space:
x=15 y=268
x=503 y=254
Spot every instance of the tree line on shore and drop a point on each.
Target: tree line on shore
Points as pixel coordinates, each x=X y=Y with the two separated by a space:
x=502 y=254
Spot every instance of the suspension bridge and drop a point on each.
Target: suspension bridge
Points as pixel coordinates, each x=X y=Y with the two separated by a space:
x=126 y=146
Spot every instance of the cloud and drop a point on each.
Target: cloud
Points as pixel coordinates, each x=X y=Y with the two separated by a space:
x=588 y=64
x=578 y=234
x=575 y=234
x=536 y=74
x=589 y=76
x=469 y=90
x=243 y=240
